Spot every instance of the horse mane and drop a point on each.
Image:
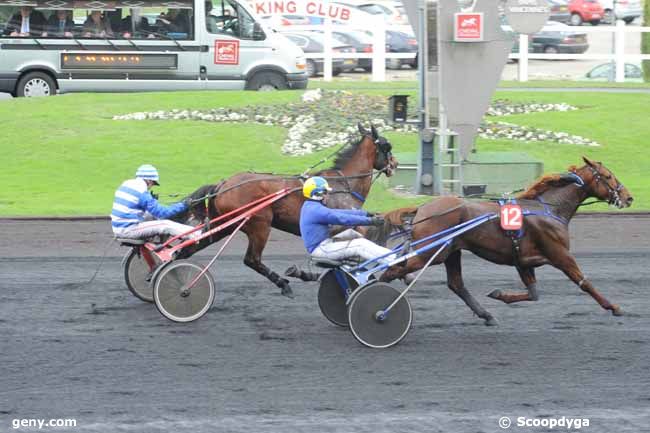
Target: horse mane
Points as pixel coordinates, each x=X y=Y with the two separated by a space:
x=201 y=192
x=545 y=183
x=346 y=153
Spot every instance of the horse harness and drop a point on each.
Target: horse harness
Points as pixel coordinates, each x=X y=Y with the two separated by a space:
x=517 y=235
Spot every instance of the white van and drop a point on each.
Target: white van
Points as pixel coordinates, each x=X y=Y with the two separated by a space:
x=111 y=46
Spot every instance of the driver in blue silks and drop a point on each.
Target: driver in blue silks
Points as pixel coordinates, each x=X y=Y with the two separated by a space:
x=315 y=219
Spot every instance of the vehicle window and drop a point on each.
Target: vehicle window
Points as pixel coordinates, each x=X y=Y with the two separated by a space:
x=601 y=71
x=150 y=21
x=340 y=38
x=632 y=71
x=301 y=42
x=371 y=9
x=229 y=18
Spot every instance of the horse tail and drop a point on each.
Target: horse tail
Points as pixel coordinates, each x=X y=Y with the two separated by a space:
x=396 y=217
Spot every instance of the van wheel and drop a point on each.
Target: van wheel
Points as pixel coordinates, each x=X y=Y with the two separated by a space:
x=576 y=20
x=267 y=81
x=36 y=84
x=594 y=22
x=628 y=20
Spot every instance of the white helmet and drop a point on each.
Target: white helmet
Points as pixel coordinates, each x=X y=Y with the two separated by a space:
x=148 y=172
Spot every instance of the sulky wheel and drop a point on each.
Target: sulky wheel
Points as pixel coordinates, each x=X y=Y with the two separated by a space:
x=137 y=274
x=332 y=296
x=175 y=300
x=367 y=323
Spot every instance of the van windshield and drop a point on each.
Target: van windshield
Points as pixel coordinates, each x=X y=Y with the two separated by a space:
x=229 y=18
x=82 y=19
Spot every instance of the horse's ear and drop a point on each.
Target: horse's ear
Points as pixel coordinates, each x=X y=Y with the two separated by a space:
x=362 y=130
x=588 y=161
x=375 y=134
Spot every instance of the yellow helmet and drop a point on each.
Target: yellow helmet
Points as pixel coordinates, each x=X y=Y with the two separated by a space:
x=315 y=188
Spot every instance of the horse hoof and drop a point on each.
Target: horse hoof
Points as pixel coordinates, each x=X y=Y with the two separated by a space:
x=495 y=294
x=286 y=291
x=292 y=271
x=616 y=311
x=408 y=278
x=491 y=321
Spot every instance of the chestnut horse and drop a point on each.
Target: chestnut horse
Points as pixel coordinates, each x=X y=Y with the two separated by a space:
x=549 y=204
x=350 y=178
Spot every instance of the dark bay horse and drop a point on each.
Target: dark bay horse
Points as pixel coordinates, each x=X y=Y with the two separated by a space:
x=553 y=200
x=350 y=178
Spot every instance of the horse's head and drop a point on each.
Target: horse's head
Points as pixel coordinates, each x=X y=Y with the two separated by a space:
x=601 y=183
x=384 y=159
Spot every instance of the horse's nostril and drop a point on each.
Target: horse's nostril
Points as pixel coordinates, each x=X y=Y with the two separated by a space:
x=630 y=199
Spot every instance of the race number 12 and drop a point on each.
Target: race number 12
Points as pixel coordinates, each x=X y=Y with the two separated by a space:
x=511 y=217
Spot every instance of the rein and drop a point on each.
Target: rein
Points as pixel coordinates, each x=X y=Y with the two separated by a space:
x=305 y=174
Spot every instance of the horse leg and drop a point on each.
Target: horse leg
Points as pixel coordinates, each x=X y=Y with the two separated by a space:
x=295 y=272
x=401 y=270
x=528 y=278
x=257 y=237
x=456 y=284
x=567 y=264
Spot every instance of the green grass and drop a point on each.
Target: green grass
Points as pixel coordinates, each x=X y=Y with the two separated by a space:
x=66 y=156
x=343 y=84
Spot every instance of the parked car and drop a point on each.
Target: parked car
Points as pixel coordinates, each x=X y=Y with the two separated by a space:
x=586 y=11
x=559 y=38
x=393 y=11
x=275 y=21
x=400 y=42
x=362 y=43
x=312 y=42
x=606 y=71
x=626 y=10
x=559 y=11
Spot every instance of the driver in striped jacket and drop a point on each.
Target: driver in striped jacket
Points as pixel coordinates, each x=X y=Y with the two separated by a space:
x=134 y=207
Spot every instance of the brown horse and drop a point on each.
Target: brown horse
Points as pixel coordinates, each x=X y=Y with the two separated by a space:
x=550 y=204
x=350 y=178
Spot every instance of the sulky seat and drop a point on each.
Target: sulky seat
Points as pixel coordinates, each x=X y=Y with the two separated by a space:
x=130 y=242
x=330 y=264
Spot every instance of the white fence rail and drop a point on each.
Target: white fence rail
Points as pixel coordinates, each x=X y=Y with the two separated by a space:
x=379 y=54
x=618 y=56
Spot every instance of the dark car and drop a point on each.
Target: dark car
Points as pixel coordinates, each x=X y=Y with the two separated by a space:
x=559 y=38
x=312 y=42
x=362 y=43
x=559 y=11
x=400 y=42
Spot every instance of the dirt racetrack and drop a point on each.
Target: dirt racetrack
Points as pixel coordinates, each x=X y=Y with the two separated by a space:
x=259 y=362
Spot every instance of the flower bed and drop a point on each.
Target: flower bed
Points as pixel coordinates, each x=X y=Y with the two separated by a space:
x=322 y=120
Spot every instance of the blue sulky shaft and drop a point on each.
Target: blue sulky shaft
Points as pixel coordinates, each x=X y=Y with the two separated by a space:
x=444 y=235
x=444 y=242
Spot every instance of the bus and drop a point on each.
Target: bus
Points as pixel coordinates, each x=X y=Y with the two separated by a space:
x=62 y=46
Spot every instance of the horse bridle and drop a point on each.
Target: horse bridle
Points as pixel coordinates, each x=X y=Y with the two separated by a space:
x=380 y=143
x=614 y=196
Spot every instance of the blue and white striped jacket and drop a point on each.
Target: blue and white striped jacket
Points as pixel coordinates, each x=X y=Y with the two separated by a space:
x=132 y=200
